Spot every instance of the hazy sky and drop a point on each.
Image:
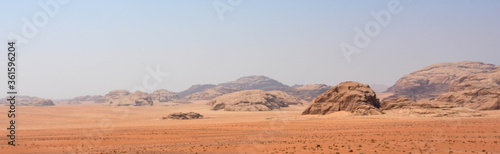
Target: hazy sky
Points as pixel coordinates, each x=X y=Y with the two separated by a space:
x=95 y=46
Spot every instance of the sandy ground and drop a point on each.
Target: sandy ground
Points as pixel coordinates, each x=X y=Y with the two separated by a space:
x=89 y=128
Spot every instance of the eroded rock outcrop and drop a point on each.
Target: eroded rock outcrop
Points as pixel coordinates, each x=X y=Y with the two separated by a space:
x=288 y=99
x=194 y=89
x=248 y=100
x=308 y=92
x=433 y=80
x=211 y=93
x=479 y=91
x=86 y=98
x=28 y=101
x=255 y=82
x=125 y=98
x=184 y=116
x=163 y=96
x=348 y=96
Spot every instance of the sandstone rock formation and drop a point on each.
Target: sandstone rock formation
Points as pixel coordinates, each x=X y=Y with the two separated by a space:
x=480 y=99
x=86 y=98
x=194 y=89
x=288 y=99
x=479 y=91
x=476 y=81
x=28 y=101
x=308 y=92
x=184 y=116
x=396 y=103
x=113 y=95
x=255 y=82
x=248 y=100
x=348 y=96
x=211 y=93
x=163 y=95
x=433 y=80
x=125 y=98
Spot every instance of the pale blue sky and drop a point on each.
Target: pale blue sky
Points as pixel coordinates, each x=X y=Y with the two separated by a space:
x=94 y=46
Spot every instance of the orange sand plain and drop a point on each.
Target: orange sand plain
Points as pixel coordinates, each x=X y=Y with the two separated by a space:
x=105 y=129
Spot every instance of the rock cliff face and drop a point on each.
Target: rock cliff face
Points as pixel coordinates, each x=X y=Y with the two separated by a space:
x=433 y=80
x=248 y=100
x=348 y=96
x=28 y=101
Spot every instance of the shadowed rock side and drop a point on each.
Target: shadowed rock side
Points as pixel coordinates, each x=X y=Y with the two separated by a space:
x=125 y=98
x=194 y=89
x=348 y=96
x=211 y=93
x=308 y=92
x=248 y=100
x=431 y=81
x=163 y=96
x=184 y=116
x=255 y=82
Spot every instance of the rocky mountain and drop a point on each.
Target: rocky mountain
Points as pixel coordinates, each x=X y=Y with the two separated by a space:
x=28 y=101
x=194 y=89
x=308 y=92
x=255 y=82
x=86 y=98
x=348 y=96
x=433 y=80
x=163 y=95
x=249 y=100
x=211 y=93
x=125 y=98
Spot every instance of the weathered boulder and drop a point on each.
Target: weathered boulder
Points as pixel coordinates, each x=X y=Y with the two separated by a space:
x=348 y=96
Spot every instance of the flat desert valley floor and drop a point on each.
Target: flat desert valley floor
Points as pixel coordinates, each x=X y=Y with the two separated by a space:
x=90 y=128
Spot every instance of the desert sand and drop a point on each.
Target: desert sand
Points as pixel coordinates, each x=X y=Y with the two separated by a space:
x=91 y=128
